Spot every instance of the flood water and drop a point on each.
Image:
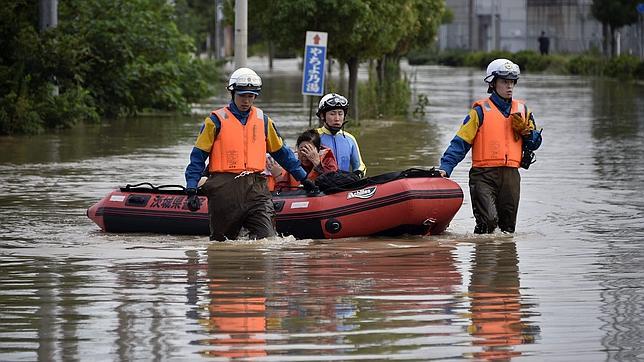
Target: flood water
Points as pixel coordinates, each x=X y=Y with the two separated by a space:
x=567 y=286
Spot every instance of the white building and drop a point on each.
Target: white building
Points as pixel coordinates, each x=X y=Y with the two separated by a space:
x=485 y=25
x=515 y=25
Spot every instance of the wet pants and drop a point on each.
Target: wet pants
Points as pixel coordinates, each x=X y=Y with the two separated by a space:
x=495 y=198
x=239 y=201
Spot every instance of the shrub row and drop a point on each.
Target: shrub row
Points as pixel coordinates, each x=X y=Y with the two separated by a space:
x=593 y=64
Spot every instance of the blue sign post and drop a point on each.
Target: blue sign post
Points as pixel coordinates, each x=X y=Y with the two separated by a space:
x=314 y=61
x=314 y=66
x=640 y=8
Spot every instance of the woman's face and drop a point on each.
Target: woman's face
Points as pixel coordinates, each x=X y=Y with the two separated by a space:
x=305 y=151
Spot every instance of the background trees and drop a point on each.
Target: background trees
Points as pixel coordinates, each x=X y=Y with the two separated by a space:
x=108 y=58
x=359 y=30
x=614 y=14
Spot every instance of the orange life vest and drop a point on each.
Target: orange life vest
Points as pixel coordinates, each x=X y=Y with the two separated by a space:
x=239 y=147
x=494 y=144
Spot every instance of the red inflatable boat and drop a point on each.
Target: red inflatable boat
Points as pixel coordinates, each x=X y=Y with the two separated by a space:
x=417 y=202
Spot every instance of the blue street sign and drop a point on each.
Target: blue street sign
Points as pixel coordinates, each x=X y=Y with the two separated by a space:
x=314 y=63
x=640 y=8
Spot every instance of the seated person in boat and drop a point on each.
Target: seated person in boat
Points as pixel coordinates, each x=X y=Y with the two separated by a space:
x=315 y=158
x=332 y=112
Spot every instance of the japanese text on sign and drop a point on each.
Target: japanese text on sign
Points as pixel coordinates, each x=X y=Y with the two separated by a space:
x=314 y=61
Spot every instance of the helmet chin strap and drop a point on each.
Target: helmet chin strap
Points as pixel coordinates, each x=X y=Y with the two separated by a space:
x=333 y=130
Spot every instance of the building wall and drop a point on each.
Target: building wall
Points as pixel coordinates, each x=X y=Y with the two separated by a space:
x=515 y=25
x=456 y=34
x=507 y=24
x=568 y=23
x=485 y=25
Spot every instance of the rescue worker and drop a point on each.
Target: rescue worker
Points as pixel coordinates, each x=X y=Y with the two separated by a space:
x=236 y=139
x=500 y=130
x=332 y=111
x=315 y=158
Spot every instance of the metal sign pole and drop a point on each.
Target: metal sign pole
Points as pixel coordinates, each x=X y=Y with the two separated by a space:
x=313 y=69
x=310 y=110
x=640 y=11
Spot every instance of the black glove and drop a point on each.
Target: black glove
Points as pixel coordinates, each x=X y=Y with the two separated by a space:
x=309 y=186
x=358 y=173
x=193 y=201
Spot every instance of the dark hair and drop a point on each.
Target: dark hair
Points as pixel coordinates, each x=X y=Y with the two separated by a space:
x=310 y=135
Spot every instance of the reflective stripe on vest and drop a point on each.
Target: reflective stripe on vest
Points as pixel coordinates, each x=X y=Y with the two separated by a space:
x=238 y=147
x=494 y=144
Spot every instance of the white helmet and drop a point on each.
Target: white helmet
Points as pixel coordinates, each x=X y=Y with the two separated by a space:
x=245 y=80
x=332 y=101
x=501 y=68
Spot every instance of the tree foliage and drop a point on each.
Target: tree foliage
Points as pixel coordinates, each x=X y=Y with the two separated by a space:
x=425 y=17
x=196 y=18
x=106 y=57
x=359 y=30
x=27 y=64
x=615 y=14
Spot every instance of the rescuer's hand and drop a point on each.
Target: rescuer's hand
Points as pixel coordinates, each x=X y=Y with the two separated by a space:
x=193 y=201
x=520 y=125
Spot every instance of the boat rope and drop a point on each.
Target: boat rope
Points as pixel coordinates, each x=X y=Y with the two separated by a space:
x=150 y=187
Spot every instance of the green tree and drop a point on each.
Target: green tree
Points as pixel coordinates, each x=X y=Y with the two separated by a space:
x=419 y=21
x=359 y=30
x=424 y=18
x=615 y=14
x=28 y=62
x=196 y=18
x=136 y=58
x=107 y=58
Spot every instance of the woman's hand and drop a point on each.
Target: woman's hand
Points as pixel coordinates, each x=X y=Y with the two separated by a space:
x=311 y=154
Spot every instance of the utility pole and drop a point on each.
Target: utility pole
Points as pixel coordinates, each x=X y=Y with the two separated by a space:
x=241 y=33
x=496 y=19
x=618 y=43
x=470 y=24
x=48 y=11
x=219 y=36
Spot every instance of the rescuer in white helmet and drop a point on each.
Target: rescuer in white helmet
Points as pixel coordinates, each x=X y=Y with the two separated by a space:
x=502 y=134
x=235 y=140
x=332 y=112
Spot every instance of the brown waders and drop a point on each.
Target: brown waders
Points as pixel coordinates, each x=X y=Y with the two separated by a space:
x=239 y=200
x=495 y=198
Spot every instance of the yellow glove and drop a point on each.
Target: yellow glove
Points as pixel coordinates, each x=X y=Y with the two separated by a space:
x=520 y=126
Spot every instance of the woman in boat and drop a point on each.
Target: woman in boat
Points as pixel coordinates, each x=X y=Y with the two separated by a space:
x=315 y=158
